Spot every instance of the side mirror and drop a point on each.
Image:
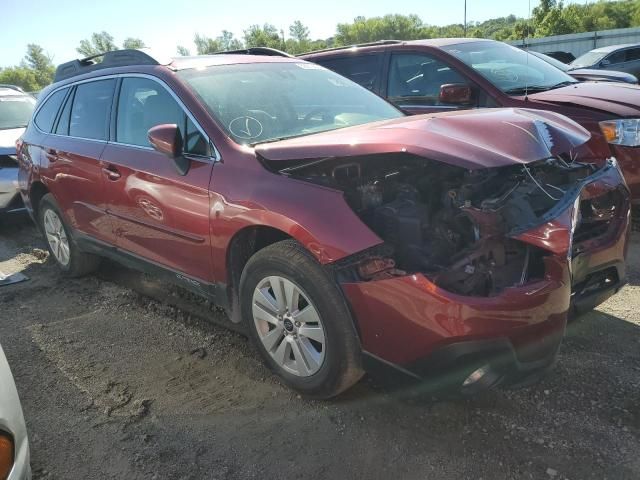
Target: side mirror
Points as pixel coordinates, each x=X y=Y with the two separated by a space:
x=455 y=94
x=605 y=63
x=167 y=139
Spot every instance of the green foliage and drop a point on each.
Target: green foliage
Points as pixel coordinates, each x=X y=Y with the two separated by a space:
x=263 y=36
x=99 y=43
x=21 y=76
x=397 y=27
x=183 y=51
x=131 y=42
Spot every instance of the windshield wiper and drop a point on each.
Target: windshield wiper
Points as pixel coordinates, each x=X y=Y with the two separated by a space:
x=537 y=88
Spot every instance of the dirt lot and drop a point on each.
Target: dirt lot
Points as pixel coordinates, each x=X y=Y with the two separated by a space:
x=121 y=377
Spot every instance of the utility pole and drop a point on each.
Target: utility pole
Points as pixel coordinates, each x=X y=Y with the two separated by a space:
x=465 y=18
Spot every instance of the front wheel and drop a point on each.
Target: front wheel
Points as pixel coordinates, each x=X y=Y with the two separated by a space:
x=299 y=321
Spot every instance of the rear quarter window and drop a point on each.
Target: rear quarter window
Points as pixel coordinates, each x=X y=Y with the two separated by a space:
x=363 y=69
x=47 y=113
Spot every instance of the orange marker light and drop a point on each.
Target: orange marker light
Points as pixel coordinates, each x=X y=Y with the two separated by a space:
x=6 y=456
x=610 y=131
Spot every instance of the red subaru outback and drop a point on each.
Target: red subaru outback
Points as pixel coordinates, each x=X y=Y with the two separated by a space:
x=341 y=234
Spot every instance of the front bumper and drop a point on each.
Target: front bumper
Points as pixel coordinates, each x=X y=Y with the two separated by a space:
x=408 y=325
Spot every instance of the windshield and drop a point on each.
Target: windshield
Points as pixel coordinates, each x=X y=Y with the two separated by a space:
x=588 y=59
x=261 y=102
x=512 y=70
x=15 y=111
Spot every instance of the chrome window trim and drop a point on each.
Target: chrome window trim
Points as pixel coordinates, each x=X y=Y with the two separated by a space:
x=215 y=154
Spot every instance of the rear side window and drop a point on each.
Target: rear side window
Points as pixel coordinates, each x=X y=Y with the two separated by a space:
x=47 y=114
x=364 y=69
x=91 y=109
x=143 y=104
x=63 y=121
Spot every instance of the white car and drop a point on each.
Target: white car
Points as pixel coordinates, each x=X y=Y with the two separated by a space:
x=14 y=445
x=16 y=108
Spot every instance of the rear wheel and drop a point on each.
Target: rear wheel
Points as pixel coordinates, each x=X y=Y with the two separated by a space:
x=61 y=245
x=299 y=322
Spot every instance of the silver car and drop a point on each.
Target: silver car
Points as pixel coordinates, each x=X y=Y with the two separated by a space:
x=14 y=445
x=623 y=58
x=16 y=108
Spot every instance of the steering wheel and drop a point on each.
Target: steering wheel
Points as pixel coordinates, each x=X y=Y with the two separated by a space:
x=505 y=75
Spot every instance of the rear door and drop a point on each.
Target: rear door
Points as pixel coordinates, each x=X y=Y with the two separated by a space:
x=72 y=154
x=158 y=214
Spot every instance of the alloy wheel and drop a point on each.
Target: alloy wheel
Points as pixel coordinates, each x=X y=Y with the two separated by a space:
x=57 y=237
x=289 y=326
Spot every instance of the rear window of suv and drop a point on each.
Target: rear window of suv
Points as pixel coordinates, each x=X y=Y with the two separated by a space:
x=91 y=109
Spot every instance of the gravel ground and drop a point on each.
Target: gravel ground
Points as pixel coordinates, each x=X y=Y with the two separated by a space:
x=122 y=377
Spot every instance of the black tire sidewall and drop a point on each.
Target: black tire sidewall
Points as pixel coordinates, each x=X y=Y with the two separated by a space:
x=341 y=339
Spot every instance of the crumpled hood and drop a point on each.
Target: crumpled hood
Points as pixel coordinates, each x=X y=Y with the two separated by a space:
x=617 y=99
x=473 y=139
x=8 y=140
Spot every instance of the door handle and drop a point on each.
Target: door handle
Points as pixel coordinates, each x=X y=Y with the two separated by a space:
x=51 y=154
x=112 y=173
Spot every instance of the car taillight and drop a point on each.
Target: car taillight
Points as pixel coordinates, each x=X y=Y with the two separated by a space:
x=6 y=455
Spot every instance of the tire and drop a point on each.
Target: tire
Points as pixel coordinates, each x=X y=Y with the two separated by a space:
x=323 y=358
x=65 y=252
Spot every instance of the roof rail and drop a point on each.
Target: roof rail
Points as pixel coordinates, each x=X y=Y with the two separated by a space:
x=115 y=58
x=272 y=52
x=12 y=87
x=358 y=45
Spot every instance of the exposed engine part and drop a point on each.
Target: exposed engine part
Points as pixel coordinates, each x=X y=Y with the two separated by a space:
x=451 y=224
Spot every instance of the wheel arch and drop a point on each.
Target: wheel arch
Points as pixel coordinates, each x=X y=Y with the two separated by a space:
x=36 y=192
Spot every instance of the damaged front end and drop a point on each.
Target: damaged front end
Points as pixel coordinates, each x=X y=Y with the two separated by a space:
x=465 y=230
x=480 y=261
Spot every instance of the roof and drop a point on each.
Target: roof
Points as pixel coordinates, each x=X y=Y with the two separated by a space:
x=203 y=61
x=430 y=42
x=612 y=48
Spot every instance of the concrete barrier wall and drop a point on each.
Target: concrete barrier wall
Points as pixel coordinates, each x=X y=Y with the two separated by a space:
x=579 y=43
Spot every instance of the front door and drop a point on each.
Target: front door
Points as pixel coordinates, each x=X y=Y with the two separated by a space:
x=158 y=214
x=414 y=82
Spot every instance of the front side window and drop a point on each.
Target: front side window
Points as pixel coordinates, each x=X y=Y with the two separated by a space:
x=47 y=113
x=363 y=69
x=416 y=79
x=91 y=110
x=633 y=54
x=617 y=57
x=510 y=69
x=144 y=104
x=261 y=102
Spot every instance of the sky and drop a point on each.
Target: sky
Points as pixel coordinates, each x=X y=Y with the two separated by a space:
x=58 y=26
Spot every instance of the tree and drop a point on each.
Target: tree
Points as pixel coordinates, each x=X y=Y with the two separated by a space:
x=22 y=76
x=397 y=27
x=183 y=51
x=99 y=43
x=299 y=41
x=40 y=63
x=228 y=42
x=206 y=45
x=131 y=42
x=265 y=36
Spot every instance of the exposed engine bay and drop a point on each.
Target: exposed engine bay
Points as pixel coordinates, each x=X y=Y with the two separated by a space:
x=452 y=224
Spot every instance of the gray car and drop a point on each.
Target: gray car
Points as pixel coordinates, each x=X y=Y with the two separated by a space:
x=14 y=445
x=16 y=107
x=623 y=58
x=588 y=74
